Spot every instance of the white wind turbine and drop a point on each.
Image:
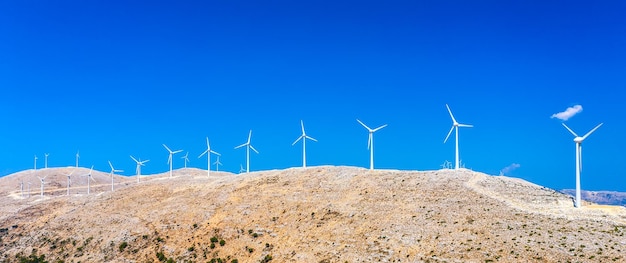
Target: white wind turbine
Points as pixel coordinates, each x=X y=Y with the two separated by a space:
x=241 y=170
x=579 y=162
x=77 y=156
x=248 y=147
x=169 y=160
x=185 y=159
x=139 y=165
x=46 y=160
x=208 y=153
x=303 y=137
x=370 y=141
x=42 y=183
x=69 y=181
x=89 y=178
x=22 y=188
x=455 y=126
x=217 y=164
x=35 y=163
x=113 y=171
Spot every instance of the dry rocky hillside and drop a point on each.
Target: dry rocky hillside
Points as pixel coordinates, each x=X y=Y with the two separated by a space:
x=318 y=214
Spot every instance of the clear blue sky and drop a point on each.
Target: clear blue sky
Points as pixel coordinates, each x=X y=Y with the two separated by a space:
x=119 y=78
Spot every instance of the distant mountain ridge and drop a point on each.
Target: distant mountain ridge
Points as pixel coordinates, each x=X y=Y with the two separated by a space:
x=600 y=197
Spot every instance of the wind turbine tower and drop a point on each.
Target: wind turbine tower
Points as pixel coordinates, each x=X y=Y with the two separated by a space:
x=113 y=171
x=77 y=156
x=579 y=162
x=248 y=147
x=455 y=126
x=139 y=165
x=169 y=160
x=89 y=178
x=46 y=160
x=208 y=153
x=35 y=163
x=217 y=164
x=370 y=141
x=69 y=181
x=303 y=137
x=42 y=183
x=186 y=159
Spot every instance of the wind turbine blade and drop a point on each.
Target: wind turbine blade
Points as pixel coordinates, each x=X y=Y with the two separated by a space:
x=169 y=159
x=168 y=149
x=253 y=148
x=249 y=136
x=146 y=161
x=466 y=125
x=369 y=141
x=570 y=130
x=594 y=129
x=379 y=128
x=216 y=153
x=294 y=143
x=241 y=145
x=311 y=138
x=203 y=153
x=450 y=132
x=177 y=151
x=368 y=128
x=451 y=116
x=134 y=159
x=207 y=143
x=111 y=165
x=302 y=124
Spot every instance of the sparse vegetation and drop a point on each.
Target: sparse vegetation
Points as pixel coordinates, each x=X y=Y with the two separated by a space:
x=123 y=245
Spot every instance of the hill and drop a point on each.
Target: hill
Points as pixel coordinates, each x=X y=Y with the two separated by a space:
x=600 y=197
x=318 y=214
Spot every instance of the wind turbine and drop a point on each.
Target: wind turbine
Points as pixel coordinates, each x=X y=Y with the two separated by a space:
x=370 y=141
x=69 y=181
x=217 y=164
x=303 y=137
x=89 y=178
x=248 y=147
x=113 y=171
x=22 y=188
x=77 y=156
x=186 y=159
x=46 y=160
x=579 y=162
x=169 y=160
x=241 y=170
x=139 y=165
x=455 y=126
x=208 y=153
x=35 y=163
x=42 y=183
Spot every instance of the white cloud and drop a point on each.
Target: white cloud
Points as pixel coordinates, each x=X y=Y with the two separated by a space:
x=509 y=168
x=568 y=113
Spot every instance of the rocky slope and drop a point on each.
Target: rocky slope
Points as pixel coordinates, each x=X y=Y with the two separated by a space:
x=318 y=214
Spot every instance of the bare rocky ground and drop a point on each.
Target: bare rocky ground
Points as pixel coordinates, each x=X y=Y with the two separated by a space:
x=318 y=214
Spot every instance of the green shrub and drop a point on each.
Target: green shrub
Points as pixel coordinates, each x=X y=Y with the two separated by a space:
x=191 y=248
x=234 y=261
x=266 y=259
x=214 y=240
x=160 y=256
x=212 y=246
x=222 y=242
x=123 y=246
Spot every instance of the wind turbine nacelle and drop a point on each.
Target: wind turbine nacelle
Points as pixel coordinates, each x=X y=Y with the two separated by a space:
x=579 y=139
